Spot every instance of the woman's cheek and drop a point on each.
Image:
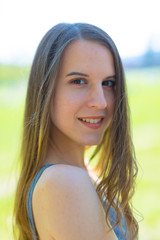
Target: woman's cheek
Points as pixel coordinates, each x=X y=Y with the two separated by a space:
x=75 y=97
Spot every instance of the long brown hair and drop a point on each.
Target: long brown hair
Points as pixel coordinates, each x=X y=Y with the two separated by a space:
x=116 y=164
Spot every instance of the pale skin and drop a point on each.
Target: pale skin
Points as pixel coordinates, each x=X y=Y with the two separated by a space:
x=65 y=203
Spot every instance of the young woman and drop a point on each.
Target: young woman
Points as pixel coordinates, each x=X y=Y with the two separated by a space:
x=76 y=98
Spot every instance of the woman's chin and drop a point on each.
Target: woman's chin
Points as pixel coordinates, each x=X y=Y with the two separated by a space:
x=92 y=142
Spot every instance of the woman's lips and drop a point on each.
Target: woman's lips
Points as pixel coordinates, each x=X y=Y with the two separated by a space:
x=92 y=125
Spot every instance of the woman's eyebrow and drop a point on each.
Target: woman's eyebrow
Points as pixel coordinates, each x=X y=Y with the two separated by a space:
x=112 y=76
x=77 y=73
x=86 y=75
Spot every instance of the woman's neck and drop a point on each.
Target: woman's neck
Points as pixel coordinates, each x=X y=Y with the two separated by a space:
x=74 y=157
x=71 y=155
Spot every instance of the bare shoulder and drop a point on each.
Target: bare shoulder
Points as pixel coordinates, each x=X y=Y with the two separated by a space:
x=60 y=176
x=66 y=172
x=66 y=205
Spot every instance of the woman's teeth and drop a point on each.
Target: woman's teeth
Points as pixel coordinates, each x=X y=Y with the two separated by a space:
x=90 y=120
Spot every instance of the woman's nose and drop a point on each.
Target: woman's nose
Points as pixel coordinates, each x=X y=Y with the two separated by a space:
x=97 y=98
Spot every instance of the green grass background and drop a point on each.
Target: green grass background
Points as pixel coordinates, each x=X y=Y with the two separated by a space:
x=144 y=97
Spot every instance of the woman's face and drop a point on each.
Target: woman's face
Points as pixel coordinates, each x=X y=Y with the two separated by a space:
x=84 y=91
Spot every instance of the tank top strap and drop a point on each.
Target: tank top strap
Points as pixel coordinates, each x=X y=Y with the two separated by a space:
x=29 y=200
x=113 y=219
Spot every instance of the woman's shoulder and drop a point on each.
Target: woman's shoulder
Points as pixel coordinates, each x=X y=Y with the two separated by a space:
x=61 y=174
x=61 y=180
x=65 y=196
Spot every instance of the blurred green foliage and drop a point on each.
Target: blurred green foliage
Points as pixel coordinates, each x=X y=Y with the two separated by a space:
x=144 y=97
x=10 y=74
x=143 y=88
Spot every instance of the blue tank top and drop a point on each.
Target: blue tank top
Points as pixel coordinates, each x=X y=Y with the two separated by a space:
x=112 y=212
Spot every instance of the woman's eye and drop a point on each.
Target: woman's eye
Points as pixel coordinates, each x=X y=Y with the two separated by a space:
x=109 y=83
x=78 y=81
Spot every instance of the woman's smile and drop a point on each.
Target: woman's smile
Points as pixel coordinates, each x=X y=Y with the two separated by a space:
x=93 y=122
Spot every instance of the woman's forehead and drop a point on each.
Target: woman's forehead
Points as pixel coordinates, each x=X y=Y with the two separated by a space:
x=85 y=55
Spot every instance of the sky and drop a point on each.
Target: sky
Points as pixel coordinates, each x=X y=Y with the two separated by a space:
x=134 y=25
